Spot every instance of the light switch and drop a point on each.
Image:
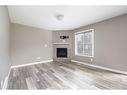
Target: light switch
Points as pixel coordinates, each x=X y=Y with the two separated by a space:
x=38 y=58
x=45 y=45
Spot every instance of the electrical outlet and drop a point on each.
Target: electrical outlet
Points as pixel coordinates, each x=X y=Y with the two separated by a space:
x=91 y=59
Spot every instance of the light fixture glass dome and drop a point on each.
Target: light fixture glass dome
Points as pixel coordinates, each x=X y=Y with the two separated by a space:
x=59 y=17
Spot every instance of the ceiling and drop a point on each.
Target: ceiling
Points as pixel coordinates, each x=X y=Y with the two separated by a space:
x=74 y=16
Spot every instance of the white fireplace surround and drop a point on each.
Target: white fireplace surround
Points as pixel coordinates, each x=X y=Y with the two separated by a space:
x=61 y=45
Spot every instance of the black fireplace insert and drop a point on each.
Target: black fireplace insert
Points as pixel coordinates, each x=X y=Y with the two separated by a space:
x=62 y=52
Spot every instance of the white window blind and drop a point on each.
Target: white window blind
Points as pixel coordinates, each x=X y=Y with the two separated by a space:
x=84 y=43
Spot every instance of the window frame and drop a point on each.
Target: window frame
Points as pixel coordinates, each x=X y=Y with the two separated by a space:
x=76 y=53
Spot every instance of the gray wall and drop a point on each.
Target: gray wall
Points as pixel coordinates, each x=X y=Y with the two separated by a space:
x=56 y=39
x=4 y=42
x=110 y=41
x=29 y=43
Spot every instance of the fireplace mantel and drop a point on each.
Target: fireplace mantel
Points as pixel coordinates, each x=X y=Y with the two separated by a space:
x=61 y=43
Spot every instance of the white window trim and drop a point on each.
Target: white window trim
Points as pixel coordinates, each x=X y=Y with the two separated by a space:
x=76 y=54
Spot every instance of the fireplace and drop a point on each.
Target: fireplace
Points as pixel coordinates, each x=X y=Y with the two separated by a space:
x=62 y=52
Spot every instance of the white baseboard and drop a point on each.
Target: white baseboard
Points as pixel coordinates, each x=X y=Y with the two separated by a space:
x=105 y=68
x=4 y=87
x=1 y=84
x=28 y=64
x=5 y=84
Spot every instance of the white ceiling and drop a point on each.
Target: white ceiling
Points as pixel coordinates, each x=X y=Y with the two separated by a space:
x=74 y=16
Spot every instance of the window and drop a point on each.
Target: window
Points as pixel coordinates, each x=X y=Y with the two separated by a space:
x=84 y=43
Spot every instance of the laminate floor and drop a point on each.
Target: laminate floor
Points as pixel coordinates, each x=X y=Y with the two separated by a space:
x=57 y=75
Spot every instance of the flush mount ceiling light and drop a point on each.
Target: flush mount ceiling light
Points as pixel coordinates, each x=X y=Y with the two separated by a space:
x=59 y=17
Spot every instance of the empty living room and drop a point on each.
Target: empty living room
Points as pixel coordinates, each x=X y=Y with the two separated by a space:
x=63 y=47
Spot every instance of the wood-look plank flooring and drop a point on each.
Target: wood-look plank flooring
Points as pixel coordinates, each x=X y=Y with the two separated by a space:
x=57 y=75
